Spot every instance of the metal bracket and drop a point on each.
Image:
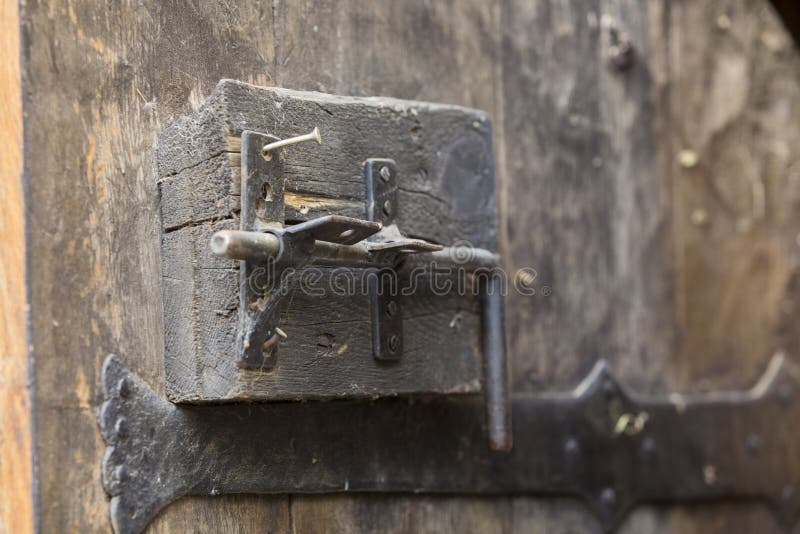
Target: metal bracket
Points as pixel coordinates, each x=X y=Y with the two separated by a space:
x=384 y=299
x=263 y=211
x=598 y=442
x=262 y=207
x=267 y=250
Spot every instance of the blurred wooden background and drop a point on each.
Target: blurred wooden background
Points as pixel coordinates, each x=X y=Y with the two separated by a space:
x=657 y=196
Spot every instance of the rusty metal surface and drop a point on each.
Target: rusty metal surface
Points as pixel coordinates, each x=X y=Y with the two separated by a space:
x=598 y=442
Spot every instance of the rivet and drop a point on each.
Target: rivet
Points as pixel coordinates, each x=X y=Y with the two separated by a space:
x=699 y=217
x=120 y=473
x=394 y=343
x=608 y=496
x=391 y=308
x=688 y=158
x=572 y=447
x=709 y=474
x=123 y=387
x=121 y=428
x=386 y=173
x=387 y=208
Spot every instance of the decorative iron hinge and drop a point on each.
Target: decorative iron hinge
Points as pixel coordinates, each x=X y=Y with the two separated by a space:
x=599 y=442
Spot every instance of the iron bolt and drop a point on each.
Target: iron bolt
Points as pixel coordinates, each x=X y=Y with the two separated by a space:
x=121 y=428
x=386 y=173
x=387 y=208
x=391 y=308
x=394 y=343
x=608 y=496
x=124 y=387
x=571 y=447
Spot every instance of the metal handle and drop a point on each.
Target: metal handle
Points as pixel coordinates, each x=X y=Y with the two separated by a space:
x=498 y=411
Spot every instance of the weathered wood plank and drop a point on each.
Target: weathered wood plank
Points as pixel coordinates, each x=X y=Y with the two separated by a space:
x=729 y=141
x=100 y=83
x=16 y=457
x=228 y=513
x=106 y=81
x=612 y=229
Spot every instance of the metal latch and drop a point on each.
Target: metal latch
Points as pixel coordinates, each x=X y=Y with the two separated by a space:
x=271 y=255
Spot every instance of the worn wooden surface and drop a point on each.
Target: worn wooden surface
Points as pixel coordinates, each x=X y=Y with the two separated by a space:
x=658 y=205
x=445 y=194
x=16 y=459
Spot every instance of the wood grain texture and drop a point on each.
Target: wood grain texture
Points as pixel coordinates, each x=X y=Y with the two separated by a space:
x=16 y=458
x=234 y=513
x=646 y=256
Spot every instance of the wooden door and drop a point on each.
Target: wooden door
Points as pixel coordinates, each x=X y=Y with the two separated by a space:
x=655 y=194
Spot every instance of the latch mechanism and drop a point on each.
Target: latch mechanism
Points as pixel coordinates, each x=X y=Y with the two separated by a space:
x=271 y=255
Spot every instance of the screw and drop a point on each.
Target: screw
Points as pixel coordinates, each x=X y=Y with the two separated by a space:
x=391 y=308
x=386 y=173
x=394 y=343
x=387 y=208
x=313 y=135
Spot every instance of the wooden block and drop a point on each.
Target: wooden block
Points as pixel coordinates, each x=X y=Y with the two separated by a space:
x=446 y=194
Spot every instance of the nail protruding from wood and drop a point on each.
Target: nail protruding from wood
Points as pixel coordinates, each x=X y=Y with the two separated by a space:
x=313 y=135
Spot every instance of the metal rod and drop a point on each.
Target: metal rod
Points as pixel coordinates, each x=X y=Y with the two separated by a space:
x=466 y=257
x=241 y=245
x=314 y=135
x=496 y=388
x=331 y=254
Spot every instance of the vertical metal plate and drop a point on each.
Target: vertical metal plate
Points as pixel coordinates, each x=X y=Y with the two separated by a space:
x=384 y=293
x=262 y=207
x=381 y=193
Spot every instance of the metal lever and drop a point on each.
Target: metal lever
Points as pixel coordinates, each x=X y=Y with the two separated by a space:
x=340 y=241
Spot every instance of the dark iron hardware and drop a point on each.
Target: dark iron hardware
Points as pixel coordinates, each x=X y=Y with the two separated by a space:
x=417 y=169
x=597 y=442
x=268 y=249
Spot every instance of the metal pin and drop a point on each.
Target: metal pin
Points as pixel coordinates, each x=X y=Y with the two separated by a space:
x=311 y=136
